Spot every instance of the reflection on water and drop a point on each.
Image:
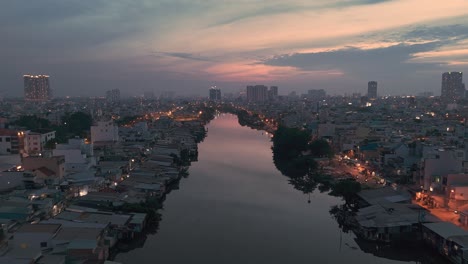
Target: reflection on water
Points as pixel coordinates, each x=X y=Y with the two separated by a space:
x=235 y=207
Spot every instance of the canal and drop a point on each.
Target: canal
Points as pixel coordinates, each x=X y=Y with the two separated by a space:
x=236 y=207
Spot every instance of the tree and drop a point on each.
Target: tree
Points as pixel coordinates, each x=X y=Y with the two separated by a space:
x=320 y=148
x=288 y=143
x=50 y=144
x=296 y=167
x=127 y=119
x=347 y=188
x=77 y=123
x=32 y=122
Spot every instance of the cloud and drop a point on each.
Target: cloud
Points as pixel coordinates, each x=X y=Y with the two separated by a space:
x=260 y=9
x=353 y=60
x=183 y=55
x=296 y=42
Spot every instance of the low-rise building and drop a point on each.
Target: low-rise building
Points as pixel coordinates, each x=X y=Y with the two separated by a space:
x=448 y=239
x=11 y=141
x=389 y=222
x=35 y=140
x=47 y=169
x=31 y=239
x=104 y=131
x=78 y=155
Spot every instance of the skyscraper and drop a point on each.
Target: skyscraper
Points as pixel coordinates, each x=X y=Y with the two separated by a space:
x=257 y=93
x=215 y=94
x=372 y=90
x=36 y=87
x=273 y=92
x=317 y=94
x=452 y=86
x=113 y=96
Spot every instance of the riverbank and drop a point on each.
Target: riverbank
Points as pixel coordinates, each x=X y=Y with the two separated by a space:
x=236 y=207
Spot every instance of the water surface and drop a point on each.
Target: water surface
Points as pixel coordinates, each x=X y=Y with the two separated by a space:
x=236 y=207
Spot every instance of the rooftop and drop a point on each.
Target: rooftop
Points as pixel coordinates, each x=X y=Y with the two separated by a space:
x=386 y=194
x=39 y=228
x=8 y=132
x=72 y=233
x=446 y=229
x=82 y=244
x=42 y=130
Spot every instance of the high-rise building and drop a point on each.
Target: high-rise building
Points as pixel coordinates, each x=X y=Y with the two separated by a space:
x=257 y=93
x=36 y=87
x=273 y=92
x=372 y=90
x=167 y=95
x=215 y=94
x=316 y=94
x=452 y=86
x=113 y=96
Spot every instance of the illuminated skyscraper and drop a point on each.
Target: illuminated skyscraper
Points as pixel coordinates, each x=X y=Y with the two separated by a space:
x=452 y=86
x=36 y=88
x=372 y=90
x=215 y=94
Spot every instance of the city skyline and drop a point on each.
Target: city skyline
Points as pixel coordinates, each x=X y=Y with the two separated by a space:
x=187 y=46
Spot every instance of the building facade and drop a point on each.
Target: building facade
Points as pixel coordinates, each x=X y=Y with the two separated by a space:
x=36 y=88
x=11 y=141
x=273 y=92
x=452 y=86
x=104 y=131
x=35 y=141
x=316 y=94
x=54 y=164
x=257 y=93
x=113 y=96
x=372 y=90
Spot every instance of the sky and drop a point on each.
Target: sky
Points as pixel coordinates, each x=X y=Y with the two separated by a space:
x=187 y=46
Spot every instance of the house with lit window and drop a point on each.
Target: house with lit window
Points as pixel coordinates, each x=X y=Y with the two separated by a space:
x=437 y=164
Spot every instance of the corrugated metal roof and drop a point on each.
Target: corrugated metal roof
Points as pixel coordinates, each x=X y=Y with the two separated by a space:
x=446 y=229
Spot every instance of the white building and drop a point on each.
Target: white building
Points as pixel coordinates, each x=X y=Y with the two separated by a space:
x=35 y=141
x=438 y=164
x=78 y=155
x=104 y=131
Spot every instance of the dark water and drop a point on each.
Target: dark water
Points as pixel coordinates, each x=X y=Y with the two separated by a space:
x=235 y=207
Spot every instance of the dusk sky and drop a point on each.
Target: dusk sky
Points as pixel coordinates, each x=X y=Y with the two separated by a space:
x=186 y=46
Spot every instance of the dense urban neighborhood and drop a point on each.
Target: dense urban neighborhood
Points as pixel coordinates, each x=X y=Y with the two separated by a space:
x=84 y=178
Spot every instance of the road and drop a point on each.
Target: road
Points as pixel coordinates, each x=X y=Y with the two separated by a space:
x=443 y=214
x=342 y=169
